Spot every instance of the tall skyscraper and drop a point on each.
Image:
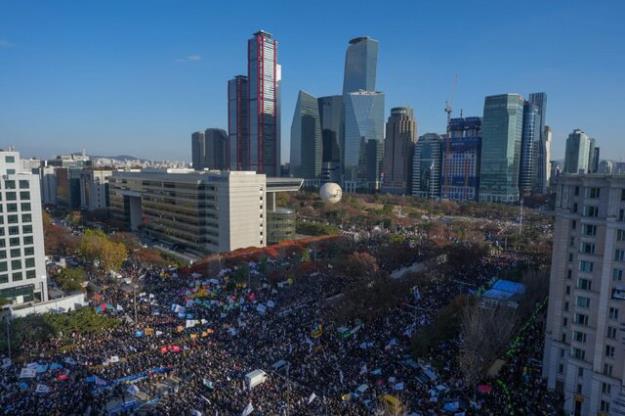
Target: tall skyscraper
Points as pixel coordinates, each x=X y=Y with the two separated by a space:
x=593 y=156
x=361 y=60
x=539 y=99
x=577 y=153
x=502 y=128
x=22 y=261
x=264 y=74
x=584 y=356
x=197 y=149
x=460 y=170
x=401 y=135
x=543 y=162
x=210 y=149
x=426 y=166
x=331 y=114
x=531 y=135
x=306 y=139
x=239 y=123
x=364 y=122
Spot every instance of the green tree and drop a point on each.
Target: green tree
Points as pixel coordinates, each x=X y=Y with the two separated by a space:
x=95 y=245
x=71 y=279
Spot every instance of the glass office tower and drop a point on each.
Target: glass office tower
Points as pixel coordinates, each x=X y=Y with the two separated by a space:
x=361 y=61
x=502 y=128
x=331 y=116
x=264 y=76
x=426 y=166
x=364 y=122
x=238 y=123
x=531 y=135
x=306 y=138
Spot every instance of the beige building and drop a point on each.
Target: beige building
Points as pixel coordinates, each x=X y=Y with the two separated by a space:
x=198 y=211
x=584 y=343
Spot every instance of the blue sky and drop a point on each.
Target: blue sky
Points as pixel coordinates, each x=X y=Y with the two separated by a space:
x=138 y=77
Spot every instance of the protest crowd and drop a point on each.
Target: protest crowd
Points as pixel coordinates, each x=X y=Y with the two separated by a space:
x=187 y=344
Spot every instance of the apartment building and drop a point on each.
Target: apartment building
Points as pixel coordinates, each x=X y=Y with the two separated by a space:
x=584 y=353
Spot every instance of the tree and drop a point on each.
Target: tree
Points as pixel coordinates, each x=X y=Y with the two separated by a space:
x=95 y=245
x=485 y=333
x=361 y=265
x=71 y=279
x=58 y=241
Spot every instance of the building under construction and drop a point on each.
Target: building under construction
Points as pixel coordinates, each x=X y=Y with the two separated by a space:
x=460 y=169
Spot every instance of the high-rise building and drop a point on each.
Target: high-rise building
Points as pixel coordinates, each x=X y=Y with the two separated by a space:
x=94 y=185
x=593 y=156
x=238 y=123
x=460 y=170
x=331 y=115
x=531 y=136
x=364 y=122
x=539 y=99
x=264 y=74
x=577 y=153
x=22 y=258
x=584 y=356
x=306 y=141
x=361 y=60
x=543 y=162
x=401 y=135
x=197 y=150
x=426 y=166
x=502 y=128
x=210 y=149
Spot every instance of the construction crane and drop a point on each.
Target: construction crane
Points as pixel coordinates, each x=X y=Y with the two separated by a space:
x=450 y=99
x=447 y=162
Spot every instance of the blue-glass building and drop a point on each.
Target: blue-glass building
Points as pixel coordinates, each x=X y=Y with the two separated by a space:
x=306 y=138
x=460 y=171
x=529 y=141
x=361 y=60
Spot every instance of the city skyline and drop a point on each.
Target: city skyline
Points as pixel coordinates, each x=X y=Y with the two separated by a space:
x=141 y=88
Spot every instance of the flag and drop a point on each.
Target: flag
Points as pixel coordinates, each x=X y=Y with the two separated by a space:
x=416 y=294
x=248 y=409
x=28 y=373
x=312 y=397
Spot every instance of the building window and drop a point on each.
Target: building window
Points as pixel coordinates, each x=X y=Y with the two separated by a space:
x=583 y=302
x=11 y=207
x=9 y=159
x=591 y=211
x=27 y=218
x=28 y=240
x=621 y=215
x=566 y=306
x=9 y=184
x=581 y=319
x=25 y=206
x=3 y=266
x=613 y=313
x=580 y=337
x=25 y=196
x=594 y=193
x=575 y=208
x=15 y=252
x=611 y=332
x=565 y=322
x=619 y=254
x=568 y=289
x=574 y=224
x=16 y=264
x=4 y=278
x=30 y=262
x=17 y=276
x=12 y=219
x=31 y=274
x=11 y=196
x=617 y=274
x=29 y=251
x=588 y=248
x=579 y=354
x=27 y=229
x=607 y=370
x=586 y=266
x=620 y=235
x=590 y=230
x=14 y=241
x=577 y=191
x=605 y=406
x=14 y=230
x=580 y=371
x=606 y=388
x=24 y=184
x=609 y=351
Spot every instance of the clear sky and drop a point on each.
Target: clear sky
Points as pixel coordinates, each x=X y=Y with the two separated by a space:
x=138 y=77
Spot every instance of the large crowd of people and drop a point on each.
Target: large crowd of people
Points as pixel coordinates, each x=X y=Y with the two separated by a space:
x=185 y=344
